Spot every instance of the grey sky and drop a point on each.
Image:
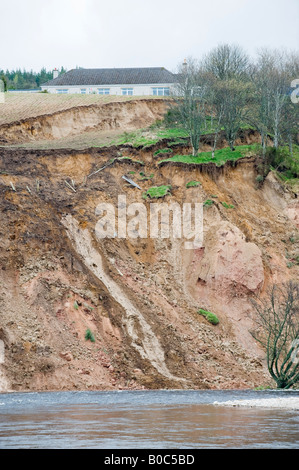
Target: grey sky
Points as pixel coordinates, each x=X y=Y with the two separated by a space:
x=132 y=33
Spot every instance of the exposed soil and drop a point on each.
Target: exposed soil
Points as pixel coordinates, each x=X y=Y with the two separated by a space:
x=122 y=116
x=139 y=297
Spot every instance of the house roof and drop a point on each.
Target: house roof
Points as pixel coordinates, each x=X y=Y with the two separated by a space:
x=123 y=76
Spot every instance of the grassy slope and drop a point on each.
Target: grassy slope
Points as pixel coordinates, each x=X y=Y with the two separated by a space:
x=221 y=155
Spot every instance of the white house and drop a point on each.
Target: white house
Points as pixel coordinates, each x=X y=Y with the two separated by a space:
x=118 y=81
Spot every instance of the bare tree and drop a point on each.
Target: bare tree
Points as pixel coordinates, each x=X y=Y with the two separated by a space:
x=232 y=99
x=226 y=89
x=189 y=96
x=226 y=68
x=290 y=111
x=226 y=62
x=259 y=114
x=272 y=77
x=277 y=330
x=289 y=124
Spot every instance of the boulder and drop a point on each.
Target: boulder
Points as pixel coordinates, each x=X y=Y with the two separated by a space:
x=229 y=262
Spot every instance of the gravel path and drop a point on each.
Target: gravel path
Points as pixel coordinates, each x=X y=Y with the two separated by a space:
x=288 y=403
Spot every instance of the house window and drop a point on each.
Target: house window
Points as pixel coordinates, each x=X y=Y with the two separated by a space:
x=161 y=91
x=62 y=91
x=104 y=91
x=83 y=91
x=127 y=91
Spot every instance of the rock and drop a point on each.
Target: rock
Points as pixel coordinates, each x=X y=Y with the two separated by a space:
x=229 y=262
x=67 y=355
x=84 y=371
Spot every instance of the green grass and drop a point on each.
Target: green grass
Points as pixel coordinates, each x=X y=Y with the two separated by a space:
x=211 y=317
x=193 y=184
x=227 y=206
x=138 y=138
x=162 y=151
x=208 y=203
x=176 y=142
x=156 y=192
x=147 y=137
x=263 y=387
x=221 y=156
x=172 y=133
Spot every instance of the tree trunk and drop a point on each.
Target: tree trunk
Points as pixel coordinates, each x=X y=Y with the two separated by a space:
x=291 y=145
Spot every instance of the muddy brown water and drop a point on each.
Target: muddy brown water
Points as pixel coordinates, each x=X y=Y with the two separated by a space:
x=169 y=419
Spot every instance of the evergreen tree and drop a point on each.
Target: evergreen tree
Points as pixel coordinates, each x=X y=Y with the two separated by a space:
x=26 y=80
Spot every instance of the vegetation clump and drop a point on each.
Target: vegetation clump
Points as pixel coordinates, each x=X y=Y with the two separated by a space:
x=156 y=192
x=89 y=336
x=193 y=184
x=211 y=317
x=144 y=177
x=227 y=206
x=208 y=203
x=163 y=151
x=220 y=157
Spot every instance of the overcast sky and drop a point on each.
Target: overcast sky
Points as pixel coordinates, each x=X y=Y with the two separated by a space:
x=138 y=33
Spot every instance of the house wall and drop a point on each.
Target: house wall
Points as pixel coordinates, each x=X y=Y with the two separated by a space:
x=138 y=90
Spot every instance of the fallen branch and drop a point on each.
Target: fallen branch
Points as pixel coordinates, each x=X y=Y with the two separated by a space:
x=70 y=186
x=103 y=167
x=130 y=181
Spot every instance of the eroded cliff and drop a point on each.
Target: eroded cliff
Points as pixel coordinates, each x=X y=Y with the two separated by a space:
x=139 y=297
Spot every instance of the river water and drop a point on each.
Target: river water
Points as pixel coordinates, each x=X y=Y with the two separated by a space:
x=164 y=419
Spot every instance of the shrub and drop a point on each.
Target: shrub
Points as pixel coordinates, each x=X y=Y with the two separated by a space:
x=276 y=329
x=89 y=336
x=211 y=317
